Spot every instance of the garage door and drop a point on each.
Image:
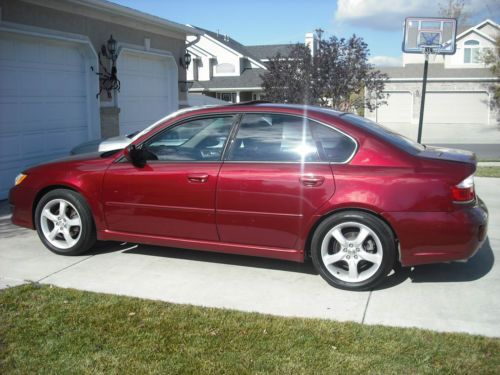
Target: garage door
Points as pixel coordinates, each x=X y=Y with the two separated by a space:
x=45 y=101
x=456 y=108
x=149 y=89
x=397 y=110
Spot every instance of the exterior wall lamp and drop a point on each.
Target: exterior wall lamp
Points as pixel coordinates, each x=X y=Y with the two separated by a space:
x=185 y=60
x=111 y=44
x=108 y=80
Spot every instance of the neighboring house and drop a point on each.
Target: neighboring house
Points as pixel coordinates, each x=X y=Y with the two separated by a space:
x=48 y=89
x=459 y=93
x=227 y=70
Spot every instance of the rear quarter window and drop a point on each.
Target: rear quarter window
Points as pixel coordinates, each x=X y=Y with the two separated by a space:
x=333 y=146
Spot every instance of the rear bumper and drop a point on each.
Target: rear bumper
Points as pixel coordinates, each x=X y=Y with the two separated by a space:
x=432 y=237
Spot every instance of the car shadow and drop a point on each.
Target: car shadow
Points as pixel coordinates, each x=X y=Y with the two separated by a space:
x=475 y=268
x=230 y=259
x=106 y=247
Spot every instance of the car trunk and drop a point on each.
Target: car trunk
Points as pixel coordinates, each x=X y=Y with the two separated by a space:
x=449 y=154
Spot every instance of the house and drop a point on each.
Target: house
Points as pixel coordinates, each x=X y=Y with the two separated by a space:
x=50 y=52
x=458 y=97
x=227 y=70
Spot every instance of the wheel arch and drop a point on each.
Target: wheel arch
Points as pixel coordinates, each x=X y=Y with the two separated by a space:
x=50 y=188
x=307 y=248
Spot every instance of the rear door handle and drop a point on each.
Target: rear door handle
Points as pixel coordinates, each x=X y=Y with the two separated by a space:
x=312 y=180
x=197 y=177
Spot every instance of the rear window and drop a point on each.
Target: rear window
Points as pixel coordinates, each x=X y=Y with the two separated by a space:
x=388 y=135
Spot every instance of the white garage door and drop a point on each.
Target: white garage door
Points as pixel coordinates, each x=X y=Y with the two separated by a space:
x=397 y=110
x=45 y=101
x=149 y=89
x=456 y=108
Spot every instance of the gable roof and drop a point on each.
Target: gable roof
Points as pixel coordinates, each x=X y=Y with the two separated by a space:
x=264 y=52
x=475 y=29
x=487 y=21
x=232 y=44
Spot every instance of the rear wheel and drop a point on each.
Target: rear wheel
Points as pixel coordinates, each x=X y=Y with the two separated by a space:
x=64 y=222
x=353 y=250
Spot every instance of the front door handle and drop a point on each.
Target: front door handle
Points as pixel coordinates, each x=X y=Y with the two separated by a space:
x=312 y=180
x=197 y=177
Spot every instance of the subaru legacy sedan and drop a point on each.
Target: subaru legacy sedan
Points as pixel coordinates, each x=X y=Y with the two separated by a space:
x=278 y=181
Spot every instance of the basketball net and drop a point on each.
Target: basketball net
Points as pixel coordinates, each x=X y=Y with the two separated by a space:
x=430 y=53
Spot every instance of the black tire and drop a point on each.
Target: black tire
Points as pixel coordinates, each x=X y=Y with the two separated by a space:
x=83 y=235
x=336 y=273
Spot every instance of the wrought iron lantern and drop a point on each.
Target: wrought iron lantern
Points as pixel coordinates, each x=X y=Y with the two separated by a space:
x=108 y=80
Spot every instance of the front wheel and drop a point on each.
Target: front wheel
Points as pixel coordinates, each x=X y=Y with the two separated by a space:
x=353 y=250
x=64 y=222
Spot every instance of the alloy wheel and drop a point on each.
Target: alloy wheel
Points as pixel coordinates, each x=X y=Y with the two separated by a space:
x=351 y=252
x=61 y=223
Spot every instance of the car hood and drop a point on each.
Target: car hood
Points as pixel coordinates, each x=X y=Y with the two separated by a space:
x=93 y=158
x=102 y=145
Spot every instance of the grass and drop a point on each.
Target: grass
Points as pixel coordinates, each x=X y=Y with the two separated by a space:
x=488 y=171
x=61 y=331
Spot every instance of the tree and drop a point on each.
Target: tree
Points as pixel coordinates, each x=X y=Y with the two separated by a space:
x=491 y=58
x=336 y=76
x=288 y=78
x=455 y=9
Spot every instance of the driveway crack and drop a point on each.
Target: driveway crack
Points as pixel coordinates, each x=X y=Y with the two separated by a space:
x=65 y=268
x=366 y=307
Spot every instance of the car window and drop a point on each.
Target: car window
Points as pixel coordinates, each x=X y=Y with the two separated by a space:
x=333 y=146
x=268 y=137
x=196 y=140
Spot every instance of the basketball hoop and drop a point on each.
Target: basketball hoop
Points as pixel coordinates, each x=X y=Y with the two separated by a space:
x=439 y=34
x=431 y=37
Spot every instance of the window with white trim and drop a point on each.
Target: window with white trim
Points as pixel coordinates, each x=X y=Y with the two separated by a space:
x=471 y=52
x=225 y=68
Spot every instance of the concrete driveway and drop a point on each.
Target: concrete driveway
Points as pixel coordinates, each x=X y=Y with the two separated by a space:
x=461 y=297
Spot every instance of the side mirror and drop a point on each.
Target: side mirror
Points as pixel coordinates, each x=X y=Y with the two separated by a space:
x=136 y=156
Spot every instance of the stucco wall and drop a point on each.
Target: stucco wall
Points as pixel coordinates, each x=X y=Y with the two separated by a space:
x=98 y=31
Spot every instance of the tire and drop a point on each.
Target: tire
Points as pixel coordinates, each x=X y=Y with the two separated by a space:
x=71 y=233
x=350 y=262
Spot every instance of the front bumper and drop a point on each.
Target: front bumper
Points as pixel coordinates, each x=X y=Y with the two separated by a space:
x=21 y=203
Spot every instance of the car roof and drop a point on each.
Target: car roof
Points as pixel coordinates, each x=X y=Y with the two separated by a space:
x=269 y=106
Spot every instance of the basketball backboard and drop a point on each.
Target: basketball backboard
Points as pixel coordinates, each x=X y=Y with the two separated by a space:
x=431 y=35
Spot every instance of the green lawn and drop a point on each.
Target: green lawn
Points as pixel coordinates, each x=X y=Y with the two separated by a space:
x=61 y=331
x=488 y=172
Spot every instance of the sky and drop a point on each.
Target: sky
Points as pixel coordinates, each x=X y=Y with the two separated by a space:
x=378 y=22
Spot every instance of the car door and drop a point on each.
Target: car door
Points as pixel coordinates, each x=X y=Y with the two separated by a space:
x=271 y=182
x=174 y=194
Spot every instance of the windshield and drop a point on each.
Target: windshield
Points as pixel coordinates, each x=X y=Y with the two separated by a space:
x=388 y=135
x=137 y=134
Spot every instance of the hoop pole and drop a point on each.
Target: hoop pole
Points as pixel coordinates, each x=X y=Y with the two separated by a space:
x=422 y=101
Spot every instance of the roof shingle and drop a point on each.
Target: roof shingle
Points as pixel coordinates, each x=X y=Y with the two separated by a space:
x=270 y=50
x=415 y=71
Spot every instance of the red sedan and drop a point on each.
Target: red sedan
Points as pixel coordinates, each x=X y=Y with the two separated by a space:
x=278 y=181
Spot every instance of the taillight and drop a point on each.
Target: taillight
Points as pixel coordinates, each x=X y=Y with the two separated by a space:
x=464 y=191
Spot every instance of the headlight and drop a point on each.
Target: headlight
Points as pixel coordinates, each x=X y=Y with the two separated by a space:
x=20 y=178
